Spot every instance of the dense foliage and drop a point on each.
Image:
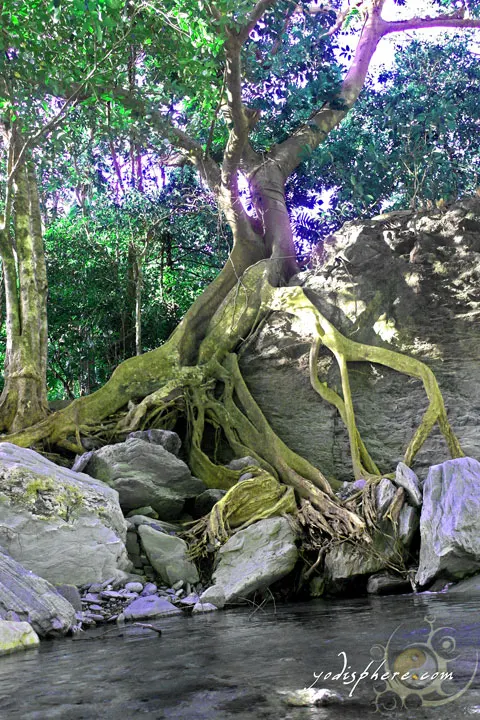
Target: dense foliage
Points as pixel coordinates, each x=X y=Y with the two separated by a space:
x=91 y=85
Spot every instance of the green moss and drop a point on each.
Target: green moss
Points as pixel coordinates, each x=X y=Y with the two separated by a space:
x=40 y=484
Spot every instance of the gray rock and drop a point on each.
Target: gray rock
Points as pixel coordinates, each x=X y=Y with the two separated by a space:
x=92 y=598
x=215 y=595
x=149 y=607
x=81 y=461
x=468 y=587
x=349 y=563
x=149 y=589
x=166 y=438
x=201 y=607
x=146 y=511
x=387 y=584
x=408 y=522
x=192 y=599
x=240 y=463
x=33 y=599
x=65 y=526
x=70 y=593
x=146 y=474
x=384 y=495
x=255 y=558
x=132 y=545
x=206 y=500
x=168 y=556
x=376 y=295
x=160 y=525
x=406 y=478
x=16 y=636
x=136 y=587
x=450 y=541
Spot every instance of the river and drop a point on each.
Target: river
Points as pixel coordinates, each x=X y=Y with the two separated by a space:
x=235 y=664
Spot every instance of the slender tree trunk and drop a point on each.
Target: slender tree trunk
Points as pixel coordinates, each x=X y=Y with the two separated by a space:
x=24 y=397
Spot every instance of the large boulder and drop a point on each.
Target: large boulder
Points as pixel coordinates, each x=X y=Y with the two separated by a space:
x=65 y=526
x=408 y=281
x=168 y=556
x=256 y=557
x=145 y=474
x=450 y=521
x=25 y=597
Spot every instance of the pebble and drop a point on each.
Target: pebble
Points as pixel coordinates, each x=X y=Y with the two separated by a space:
x=204 y=608
x=95 y=607
x=94 y=616
x=92 y=598
x=177 y=585
x=111 y=594
x=191 y=599
x=134 y=587
x=149 y=589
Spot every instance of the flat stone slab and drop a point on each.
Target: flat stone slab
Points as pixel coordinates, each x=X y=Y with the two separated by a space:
x=151 y=606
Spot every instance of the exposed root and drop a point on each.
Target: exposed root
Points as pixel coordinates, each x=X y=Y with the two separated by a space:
x=294 y=301
x=153 y=390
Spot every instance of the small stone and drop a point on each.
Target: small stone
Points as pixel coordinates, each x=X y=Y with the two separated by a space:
x=111 y=594
x=177 y=585
x=245 y=476
x=406 y=478
x=94 y=616
x=202 y=607
x=149 y=607
x=214 y=595
x=311 y=697
x=192 y=599
x=240 y=463
x=92 y=598
x=98 y=608
x=149 y=589
x=408 y=522
x=147 y=511
x=16 y=636
x=387 y=584
x=134 y=587
x=108 y=582
x=384 y=494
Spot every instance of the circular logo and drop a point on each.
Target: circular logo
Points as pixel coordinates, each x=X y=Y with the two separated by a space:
x=420 y=673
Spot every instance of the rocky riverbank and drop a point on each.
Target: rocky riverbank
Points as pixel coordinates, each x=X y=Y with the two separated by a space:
x=108 y=541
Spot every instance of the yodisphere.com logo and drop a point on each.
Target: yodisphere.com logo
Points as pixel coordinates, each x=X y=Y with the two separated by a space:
x=422 y=674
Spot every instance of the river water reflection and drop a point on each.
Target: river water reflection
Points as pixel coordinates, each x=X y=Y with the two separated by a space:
x=233 y=665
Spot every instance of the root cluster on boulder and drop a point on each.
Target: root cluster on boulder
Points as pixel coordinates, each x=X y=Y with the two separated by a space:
x=157 y=389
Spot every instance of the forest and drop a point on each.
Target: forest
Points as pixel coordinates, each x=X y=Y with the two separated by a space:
x=168 y=167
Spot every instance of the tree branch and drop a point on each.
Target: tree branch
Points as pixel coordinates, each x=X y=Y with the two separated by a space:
x=456 y=20
x=308 y=137
x=258 y=11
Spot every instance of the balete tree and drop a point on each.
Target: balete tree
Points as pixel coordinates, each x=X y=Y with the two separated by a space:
x=244 y=92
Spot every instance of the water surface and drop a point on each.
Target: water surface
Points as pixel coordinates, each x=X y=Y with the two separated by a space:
x=233 y=665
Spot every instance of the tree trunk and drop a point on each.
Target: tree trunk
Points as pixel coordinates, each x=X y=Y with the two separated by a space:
x=24 y=397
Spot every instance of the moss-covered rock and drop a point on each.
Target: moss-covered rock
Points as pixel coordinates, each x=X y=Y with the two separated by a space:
x=65 y=526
